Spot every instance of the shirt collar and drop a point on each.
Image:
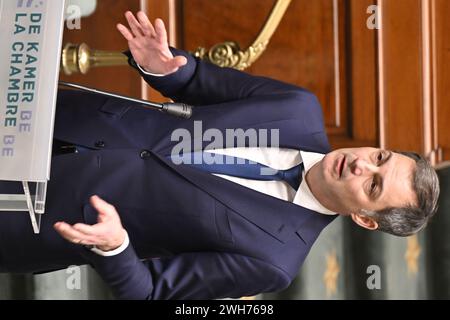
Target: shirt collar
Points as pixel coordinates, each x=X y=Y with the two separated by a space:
x=304 y=196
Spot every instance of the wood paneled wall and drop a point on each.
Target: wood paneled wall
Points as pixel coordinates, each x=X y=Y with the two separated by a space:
x=307 y=52
x=413 y=73
x=362 y=83
x=381 y=87
x=402 y=96
x=322 y=45
x=311 y=48
x=99 y=32
x=385 y=87
x=441 y=77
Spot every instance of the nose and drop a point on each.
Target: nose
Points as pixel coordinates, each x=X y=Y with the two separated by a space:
x=360 y=167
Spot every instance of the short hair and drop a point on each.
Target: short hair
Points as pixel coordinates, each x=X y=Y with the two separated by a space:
x=405 y=221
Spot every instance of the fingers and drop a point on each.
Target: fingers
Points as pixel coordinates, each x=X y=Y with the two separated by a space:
x=86 y=229
x=146 y=25
x=102 y=207
x=178 y=61
x=69 y=233
x=125 y=32
x=175 y=63
x=134 y=24
x=106 y=233
x=143 y=27
x=161 y=34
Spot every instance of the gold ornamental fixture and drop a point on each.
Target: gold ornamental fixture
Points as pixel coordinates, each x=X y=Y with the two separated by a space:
x=80 y=58
x=229 y=53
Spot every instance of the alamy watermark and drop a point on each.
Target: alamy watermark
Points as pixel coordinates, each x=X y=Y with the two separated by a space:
x=189 y=149
x=73 y=281
x=373 y=21
x=72 y=12
x=374 y=280
x=73 y=17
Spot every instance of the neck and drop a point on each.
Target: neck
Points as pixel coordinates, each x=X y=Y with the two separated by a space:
x=314 y=180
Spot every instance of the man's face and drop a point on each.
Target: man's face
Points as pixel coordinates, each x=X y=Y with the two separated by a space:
x=348 y=180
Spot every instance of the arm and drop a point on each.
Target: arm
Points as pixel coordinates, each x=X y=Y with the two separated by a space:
x=199 y=275
x=192 y=81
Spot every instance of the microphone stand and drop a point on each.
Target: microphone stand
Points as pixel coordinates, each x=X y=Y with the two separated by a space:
x=174 y=108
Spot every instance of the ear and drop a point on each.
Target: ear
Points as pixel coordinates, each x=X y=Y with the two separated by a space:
x=364 y=221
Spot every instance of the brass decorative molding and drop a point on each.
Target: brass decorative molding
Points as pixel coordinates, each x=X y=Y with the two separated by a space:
x=81 y=58
x=229 y=53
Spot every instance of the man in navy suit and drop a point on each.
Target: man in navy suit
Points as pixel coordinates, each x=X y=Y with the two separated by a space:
x=157 y=229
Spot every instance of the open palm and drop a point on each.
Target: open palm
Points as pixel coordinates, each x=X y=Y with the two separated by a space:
x=149 y=45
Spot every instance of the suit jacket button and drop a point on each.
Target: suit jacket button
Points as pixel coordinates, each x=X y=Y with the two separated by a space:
x=145 y=154
x=100 y=144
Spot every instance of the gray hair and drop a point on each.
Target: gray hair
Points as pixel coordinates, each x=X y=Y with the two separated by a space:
x=408 y=220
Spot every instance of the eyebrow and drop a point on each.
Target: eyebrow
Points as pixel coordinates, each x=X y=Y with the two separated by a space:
x=381 y=188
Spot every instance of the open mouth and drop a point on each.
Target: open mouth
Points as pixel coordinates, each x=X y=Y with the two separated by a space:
x=341 y=166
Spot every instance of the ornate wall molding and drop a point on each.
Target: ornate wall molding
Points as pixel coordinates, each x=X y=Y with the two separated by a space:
x=229 y=53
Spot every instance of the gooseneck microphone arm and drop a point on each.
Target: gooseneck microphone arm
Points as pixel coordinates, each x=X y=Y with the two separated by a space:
x=177 y=109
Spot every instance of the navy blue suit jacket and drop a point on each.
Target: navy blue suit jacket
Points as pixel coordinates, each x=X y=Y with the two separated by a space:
x=193 y=235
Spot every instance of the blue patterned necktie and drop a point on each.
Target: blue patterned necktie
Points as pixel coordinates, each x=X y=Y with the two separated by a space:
x=239 y=167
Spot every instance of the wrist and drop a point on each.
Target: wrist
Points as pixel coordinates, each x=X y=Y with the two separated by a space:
x=146 y=71
x=115 y=243
x=114 y=252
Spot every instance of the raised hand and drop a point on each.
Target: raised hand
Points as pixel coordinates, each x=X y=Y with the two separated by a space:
x=108 y=234
x=149 y=45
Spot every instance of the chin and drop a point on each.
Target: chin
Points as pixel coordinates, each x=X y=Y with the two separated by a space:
x=328 y=163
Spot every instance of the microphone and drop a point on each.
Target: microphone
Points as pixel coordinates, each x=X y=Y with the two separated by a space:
x=177 y=109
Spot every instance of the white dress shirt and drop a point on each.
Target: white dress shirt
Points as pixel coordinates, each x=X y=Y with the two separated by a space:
x=280 y=159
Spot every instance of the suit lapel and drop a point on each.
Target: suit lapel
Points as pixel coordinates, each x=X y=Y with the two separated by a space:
x=281 y=219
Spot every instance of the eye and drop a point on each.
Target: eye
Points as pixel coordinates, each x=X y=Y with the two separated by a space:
x=380 y=157
x=373 y=186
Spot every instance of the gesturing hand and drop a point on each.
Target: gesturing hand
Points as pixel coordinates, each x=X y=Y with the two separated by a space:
x=148 y=44
x=108 y=234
